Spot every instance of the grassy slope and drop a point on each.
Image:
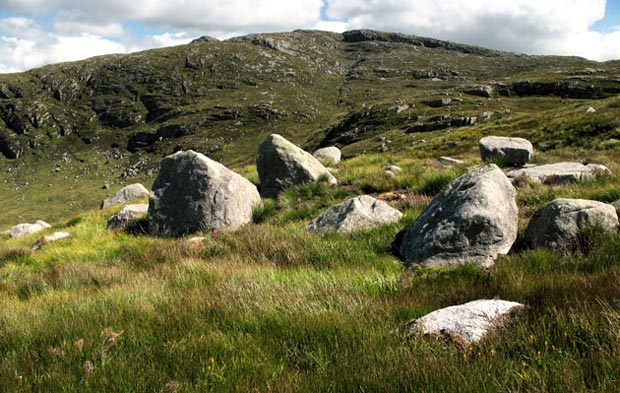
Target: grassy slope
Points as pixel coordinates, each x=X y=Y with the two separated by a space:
x=270 y=307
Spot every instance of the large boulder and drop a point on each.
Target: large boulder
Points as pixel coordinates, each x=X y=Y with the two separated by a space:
x=329 y=155
x=125 y=194
x=560 y=173
x=509 y=151
x=471 y=221
x=25 y=228
x=282 y=165
x=121 y=220
x=466 y=323
x=194 y=193
x=355 y=213
x=558 y=223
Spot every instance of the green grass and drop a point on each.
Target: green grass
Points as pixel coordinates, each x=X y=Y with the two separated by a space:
x=271 y=307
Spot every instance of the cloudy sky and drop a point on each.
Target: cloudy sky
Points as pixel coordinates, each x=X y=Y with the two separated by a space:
x=38 y=32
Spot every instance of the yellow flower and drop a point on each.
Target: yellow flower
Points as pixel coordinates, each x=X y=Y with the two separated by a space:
x=20 y=379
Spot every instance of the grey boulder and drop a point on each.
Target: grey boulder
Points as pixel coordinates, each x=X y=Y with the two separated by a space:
x=510 y=151
x=25 y=228
x=194 y=193
x=449 y=161
x=49 y=239
x=558 y=223
x=282 y=165
x=466 y=323
x=125 y=194
x=480 y=91
x=121 y=220
x=355 y=213
x=329 y=155
x=560 y=173
x=470 y=222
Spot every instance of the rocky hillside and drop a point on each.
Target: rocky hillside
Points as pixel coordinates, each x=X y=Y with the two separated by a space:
x=67 y=130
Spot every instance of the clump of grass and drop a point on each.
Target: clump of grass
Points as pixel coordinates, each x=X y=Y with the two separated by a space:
x=263 y=211
x=432 y=184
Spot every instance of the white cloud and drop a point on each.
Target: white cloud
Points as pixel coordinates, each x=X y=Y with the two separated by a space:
x=331 y=25
x=171 y=39
x=71 y=29
x=530 y=26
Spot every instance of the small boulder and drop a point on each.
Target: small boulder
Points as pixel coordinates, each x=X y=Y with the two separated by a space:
x=355 y=213
x=510 y=151
x=328 y=155
x=449 y=161
x=50 y=238
x=470 y=222
x=466 y=323
x=125 y=194
x=558 y=223
x=121 y=220
x=25 y=229
x=194 y=193
x=438 y=103
x=480 y=91
x=392 y=168
x=282 y=165
x=561 y=173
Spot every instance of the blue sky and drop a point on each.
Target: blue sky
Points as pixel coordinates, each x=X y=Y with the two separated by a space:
x=611 y=20
x=38 y=32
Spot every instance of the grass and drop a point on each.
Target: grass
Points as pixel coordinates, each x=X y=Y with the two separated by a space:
x=271 y=307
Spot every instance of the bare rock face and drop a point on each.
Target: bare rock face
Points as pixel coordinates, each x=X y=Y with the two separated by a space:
x=558 y=223
x=561 y=173
x=194 y=193
x=510 y=151
x=355 y=213
x=282 y=165
x=466 y=323
x=25 y=229
x=125 y=194
x=330 y=155
x=471 y=221
x=121 y=220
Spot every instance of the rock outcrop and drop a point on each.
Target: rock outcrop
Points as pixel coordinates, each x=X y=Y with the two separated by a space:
x=471 y=221
x=353 y=214
x=282 y=165
x=509 y=151
x=194 y=193
x=121 y=220
x=466 y=323
x=125 y=194
x=329 y=155
x=25 y=229
x=558 y=223
x=560 y=173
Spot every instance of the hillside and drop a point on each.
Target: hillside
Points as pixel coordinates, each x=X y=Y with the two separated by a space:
x=68 y=129
x=271 y=306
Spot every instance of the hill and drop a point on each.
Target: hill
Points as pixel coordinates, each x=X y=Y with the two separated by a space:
x=272 y=307
x=68 y=129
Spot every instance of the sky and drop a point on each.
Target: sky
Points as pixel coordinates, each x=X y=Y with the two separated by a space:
x=38 y=32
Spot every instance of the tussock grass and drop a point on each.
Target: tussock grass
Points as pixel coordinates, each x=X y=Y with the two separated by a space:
x=270 y=307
